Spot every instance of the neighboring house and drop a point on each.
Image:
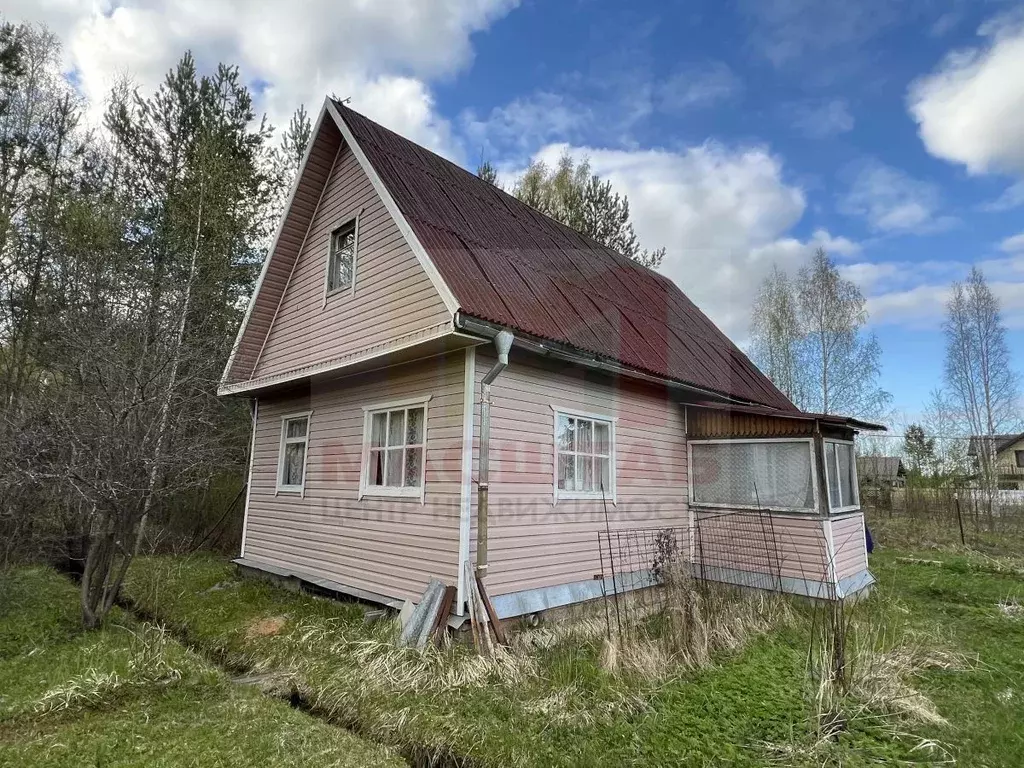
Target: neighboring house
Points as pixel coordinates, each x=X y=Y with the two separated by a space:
x=1005 y=455
x=881 y=471
x=442 y=376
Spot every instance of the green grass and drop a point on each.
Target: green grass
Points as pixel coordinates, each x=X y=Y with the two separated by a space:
x=129 y=695
x=559 y=706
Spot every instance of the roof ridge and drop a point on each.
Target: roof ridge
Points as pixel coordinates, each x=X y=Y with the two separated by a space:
x=515 y=200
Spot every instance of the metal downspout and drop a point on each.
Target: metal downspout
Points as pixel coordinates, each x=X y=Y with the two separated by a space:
x=502 y=343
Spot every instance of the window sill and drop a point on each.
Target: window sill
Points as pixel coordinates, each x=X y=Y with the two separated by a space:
x=585 y=496
x=384 y=492
x=296 y=489
x=754 y=508
x=843 y=510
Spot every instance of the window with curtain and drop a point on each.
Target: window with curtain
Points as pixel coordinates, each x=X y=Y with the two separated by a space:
x=583 y=457
x=341 y=266
x=397 y=440
x=753 y=473
x=291 y=471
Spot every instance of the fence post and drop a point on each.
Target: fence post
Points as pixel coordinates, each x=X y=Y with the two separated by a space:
x=959 y=518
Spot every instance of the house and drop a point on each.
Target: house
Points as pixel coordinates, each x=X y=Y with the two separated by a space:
x=1002 y=455
x=443 y=377
x=881 y=471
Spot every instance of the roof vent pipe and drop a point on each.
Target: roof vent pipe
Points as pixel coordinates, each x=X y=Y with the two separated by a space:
x=502 y=344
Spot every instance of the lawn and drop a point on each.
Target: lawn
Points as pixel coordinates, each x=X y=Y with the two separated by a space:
x=937 y=675
x=935 y=651
x=131 y=695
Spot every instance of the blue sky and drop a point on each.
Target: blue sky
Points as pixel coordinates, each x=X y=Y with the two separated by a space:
x=746 y=133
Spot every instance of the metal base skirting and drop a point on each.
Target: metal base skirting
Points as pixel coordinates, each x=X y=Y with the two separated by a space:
x=545 y=598
x=530 y=601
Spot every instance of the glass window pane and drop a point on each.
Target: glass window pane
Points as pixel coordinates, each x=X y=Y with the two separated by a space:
x=296 y=427
x=396 y=428
x=584 y=436
x=376 y=473
x=604 y=476
x=342 y=252
x=602 y=438
x=751 y=474
x=393 y=468
x=294 y=453
x=845 y=455
x=413 y=465
x=566 y=434
x=378 y=428
x=414 y=429
x=585 y=473
x=830 y=473
x=567 y=472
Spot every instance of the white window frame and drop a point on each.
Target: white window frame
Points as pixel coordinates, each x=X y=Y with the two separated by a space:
x=285 y=440
x=365 y=488
x=815 y=509
x=611 y=494
x=854 y=479
x=350 y=289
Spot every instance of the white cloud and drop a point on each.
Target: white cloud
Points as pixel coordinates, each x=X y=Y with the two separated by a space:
x=381 y=54
x=723 y=214
x=522 y=125
x=696 y=87
x=823 y=119
x=1012 y=197
x=971 y=109
x=1014 y=244
x=893 y=202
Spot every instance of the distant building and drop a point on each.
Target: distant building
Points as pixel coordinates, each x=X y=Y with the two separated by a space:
x=881 y=471
x=1006 y=454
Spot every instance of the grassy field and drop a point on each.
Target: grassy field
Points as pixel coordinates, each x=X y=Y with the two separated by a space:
x=936 y=675
x=130 y=695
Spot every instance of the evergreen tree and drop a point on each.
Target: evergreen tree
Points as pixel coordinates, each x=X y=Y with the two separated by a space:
x=574 y=195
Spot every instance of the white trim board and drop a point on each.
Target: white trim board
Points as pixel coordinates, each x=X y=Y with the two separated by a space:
x=248 y=482
x=466 y=497
x=317 y=126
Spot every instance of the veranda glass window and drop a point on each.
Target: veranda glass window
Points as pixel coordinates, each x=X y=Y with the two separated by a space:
x=841 y=473
x=764 y=474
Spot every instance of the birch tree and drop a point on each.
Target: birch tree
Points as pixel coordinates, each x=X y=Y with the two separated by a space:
x=777 y=341
x=979 y=376
x=843 y=359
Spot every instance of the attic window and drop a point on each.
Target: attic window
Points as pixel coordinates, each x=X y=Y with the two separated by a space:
x=342 y=261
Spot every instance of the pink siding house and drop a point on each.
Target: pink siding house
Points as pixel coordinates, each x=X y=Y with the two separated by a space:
x=441 y=376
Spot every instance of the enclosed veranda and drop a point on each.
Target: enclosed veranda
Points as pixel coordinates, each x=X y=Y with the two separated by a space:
x=774 y=500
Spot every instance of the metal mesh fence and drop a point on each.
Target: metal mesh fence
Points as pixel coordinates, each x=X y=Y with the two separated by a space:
x=641 y=567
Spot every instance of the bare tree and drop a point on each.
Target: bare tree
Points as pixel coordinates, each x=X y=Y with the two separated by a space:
x=777 y=341
x=981 y=381
x=843 y=359
x=809 y=338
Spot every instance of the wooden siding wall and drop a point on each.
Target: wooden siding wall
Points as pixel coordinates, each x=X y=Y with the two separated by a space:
x=707 y=424
x=391 y=546
x=393 y=299
x=534 y=543
x=791 y=545
x=851 y=554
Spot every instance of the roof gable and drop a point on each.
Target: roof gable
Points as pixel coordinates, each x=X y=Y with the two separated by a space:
x=508 y=264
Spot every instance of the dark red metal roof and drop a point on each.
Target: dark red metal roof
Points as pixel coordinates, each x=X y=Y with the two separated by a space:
x=825 y=418
x=508 y=264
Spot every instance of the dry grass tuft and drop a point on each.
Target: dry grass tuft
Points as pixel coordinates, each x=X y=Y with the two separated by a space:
x=1011 y=608
x=688 y=623
x=147 y=664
